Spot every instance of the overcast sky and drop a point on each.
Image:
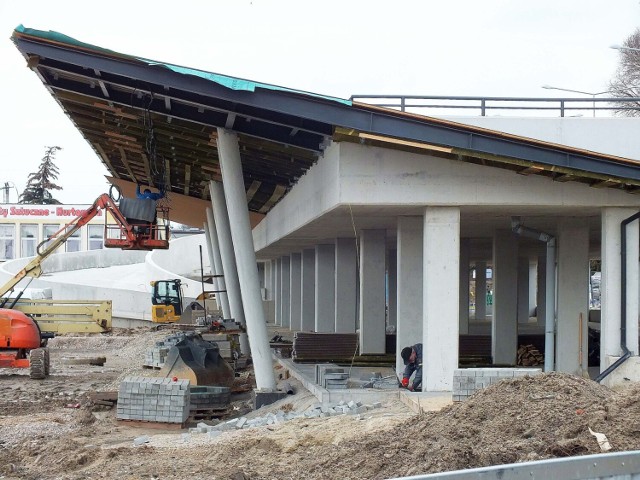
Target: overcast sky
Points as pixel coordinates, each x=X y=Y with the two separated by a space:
x=339 y=48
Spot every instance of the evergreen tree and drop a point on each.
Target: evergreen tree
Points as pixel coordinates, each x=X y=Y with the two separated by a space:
x=41 y=182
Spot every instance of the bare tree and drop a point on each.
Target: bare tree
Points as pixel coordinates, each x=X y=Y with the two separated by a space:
x=39 y=183
x=626 y=81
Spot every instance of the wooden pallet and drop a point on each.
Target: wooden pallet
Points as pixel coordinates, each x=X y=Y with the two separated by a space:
x=151 y=367
x=149 y=424
x=206 y=413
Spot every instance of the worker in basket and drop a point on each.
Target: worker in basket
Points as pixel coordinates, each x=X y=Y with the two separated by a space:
x=412 y=357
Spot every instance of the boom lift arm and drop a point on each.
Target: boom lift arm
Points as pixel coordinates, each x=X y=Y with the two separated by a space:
x=130 y=238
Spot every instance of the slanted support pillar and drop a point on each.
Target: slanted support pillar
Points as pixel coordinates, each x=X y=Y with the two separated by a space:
x=573 y=296
x=216 y=266
x=505 y=306
x=346 y=288
x=410 y=263
x=325 y=283
x=441 y=299
x=221 y=220
x=308 y=306
x=295 y=289
x=235 y=194
x=372 y=292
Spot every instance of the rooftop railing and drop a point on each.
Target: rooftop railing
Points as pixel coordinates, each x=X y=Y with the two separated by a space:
x=485 y=106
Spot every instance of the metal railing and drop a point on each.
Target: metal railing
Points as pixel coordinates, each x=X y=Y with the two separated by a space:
x=486 y=105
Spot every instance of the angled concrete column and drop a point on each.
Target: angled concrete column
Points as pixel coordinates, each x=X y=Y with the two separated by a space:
x=541 y=297
x=346 y=288
x=410 y=263
x=441 y=298
x=295 y=283
x=573 y=296
x=221 y=221
x=523 y=290
x=392 y=287
x=372 y=291
x=464 y=286
x=235 y=194
x=308 y=306
x=505 y=306
x=325 y=301
x=611 y=287
x=481 y=292
x=286 y=291
x=217 y=265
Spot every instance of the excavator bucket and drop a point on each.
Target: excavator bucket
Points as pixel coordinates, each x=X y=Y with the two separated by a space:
x=199 y=361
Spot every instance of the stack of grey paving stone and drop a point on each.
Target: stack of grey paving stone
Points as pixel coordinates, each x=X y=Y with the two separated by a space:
x=156 y=356
x=153 y=400
x=467 y=381
x=203 y=397
x=315 y=411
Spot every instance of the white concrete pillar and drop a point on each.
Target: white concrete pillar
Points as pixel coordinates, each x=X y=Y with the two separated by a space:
x=611 y=285
x=286 y=291
x=346 y=288
x=221 y=221
x=441 y=298
x=278 y=292
x=533 y=282
x=325 y=301
x=235 y=194
x=217 y=265
x=308 y=306
x=523 y=290
x=464 y=286
x=481 y=291
x=392 y=287
x=573 y=296
x=372 y=292
x=410 y=265
x=541 y=296
x=505 y=306
x=295 y=284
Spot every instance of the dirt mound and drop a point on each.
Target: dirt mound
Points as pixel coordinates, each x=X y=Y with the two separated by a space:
x=523 y=419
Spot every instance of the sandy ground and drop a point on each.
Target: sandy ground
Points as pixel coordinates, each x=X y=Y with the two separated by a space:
x=43 y=435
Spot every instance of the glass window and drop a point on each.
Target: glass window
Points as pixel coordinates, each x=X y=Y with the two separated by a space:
x=96 y=237
x=73 y=242
x=28 y=240
x=7 y=241
x=48 y=230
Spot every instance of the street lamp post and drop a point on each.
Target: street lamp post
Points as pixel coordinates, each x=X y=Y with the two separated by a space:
x=620 y=47
x=593 y=95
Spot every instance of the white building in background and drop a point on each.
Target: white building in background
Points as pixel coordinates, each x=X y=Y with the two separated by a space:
x=23 y=227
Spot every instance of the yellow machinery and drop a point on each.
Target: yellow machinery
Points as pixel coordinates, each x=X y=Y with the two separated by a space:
x=166 y=300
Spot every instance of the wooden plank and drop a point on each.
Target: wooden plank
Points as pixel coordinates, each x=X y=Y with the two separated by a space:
x=187 y=178
x=105 y=159
x=147 y=169
x=125 y=161
x=530 y=170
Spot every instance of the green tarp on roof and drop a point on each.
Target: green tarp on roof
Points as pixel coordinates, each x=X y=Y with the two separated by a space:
x=224 y=80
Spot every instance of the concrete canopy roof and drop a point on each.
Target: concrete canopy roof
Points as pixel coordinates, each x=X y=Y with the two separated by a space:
x=156 y=124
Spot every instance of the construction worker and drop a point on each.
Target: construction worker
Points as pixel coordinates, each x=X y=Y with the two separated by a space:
x=148 y=194
x=412 y=357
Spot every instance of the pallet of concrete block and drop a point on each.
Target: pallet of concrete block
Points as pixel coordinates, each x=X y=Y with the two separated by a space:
x=323 y=346
x=156 y=356
x=228 y=344
x=145 y=399
x=331 y=377
x=208 y=401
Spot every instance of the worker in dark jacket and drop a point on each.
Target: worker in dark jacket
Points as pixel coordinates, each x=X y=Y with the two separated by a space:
x=148 y=194
x=412 y=357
